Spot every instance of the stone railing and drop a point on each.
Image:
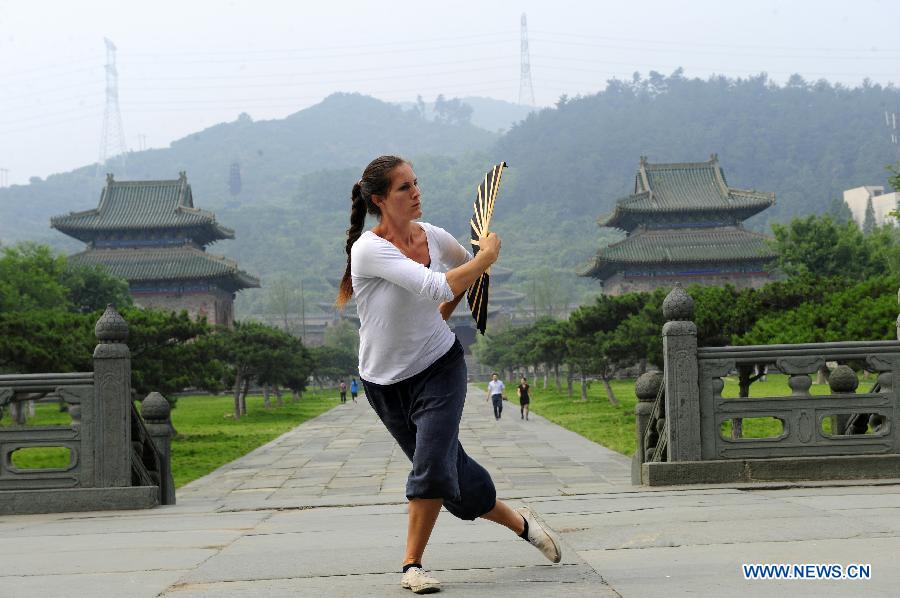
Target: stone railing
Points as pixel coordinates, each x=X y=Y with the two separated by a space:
x=683 y=419
x=116 y=459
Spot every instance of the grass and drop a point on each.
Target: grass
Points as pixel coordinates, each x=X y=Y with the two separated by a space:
x=614 y=427
x=208 y=435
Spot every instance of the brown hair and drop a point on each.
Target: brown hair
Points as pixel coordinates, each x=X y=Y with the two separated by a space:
x=375 y=180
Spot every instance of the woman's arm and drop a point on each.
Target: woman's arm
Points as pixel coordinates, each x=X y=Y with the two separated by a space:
x=462 y=277
x=448 y=307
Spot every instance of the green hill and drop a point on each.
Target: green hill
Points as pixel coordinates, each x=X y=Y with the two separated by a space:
x=807 y=142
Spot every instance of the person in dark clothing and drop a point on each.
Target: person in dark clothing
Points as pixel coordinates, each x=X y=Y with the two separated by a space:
x=524 y=398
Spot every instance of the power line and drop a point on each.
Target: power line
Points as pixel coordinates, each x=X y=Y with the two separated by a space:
x=679 y=44
x=491 y=38
x=320 y=56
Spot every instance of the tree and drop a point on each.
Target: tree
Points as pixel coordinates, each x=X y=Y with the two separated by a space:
x=452 y=112
x=344 y=336
x=31 y=278
x=839 y=211
x=253 y=351
x=169 y=353
x=45 y=340
x=299 y=368
x=869 y=223
x=332 y=363
x=92 y=288
x=284 y=300
x=864 y=311
x=817 y=246
x=597 y=346
x=548 y=341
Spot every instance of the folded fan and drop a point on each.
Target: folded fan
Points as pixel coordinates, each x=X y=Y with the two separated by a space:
x=477 y=295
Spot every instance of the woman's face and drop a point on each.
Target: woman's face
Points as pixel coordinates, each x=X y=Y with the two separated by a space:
x=403 y=201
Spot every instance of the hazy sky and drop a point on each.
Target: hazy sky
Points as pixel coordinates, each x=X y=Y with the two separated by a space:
x=186 y=65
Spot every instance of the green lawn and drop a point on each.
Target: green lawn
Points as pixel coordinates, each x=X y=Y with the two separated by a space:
x=614 y=427
x=208 y=435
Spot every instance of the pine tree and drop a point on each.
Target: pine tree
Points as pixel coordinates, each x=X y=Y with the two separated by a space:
x=869 y=220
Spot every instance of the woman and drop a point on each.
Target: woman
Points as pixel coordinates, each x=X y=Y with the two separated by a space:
x=524 y=399
x=408 y=277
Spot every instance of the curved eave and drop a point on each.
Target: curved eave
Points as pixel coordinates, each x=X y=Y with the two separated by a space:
x=630 y=218
x=603 y=268
x=231 y=281
x=204 y=233
x=179 y=264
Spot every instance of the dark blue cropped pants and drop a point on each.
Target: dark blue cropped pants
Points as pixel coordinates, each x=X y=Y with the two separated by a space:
x=422 y=413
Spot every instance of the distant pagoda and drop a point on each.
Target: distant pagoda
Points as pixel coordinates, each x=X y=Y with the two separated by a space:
x=150 y=233
x=683 y=223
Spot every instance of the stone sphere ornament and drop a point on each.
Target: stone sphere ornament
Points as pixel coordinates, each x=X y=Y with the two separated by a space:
x=678 y=305
x=111 y=327
x=843 y=379
x=647 y=385
x=155 y=407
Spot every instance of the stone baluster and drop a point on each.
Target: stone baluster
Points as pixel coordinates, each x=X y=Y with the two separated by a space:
x=843 y=380
x=885 y=384
x=112 y=405
x=155 y=410
x=646 y=388
x=681 y=376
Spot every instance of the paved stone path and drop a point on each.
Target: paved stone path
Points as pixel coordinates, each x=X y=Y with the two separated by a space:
x=320 y=512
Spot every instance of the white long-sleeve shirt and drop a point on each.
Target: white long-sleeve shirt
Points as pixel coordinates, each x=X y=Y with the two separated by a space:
x=402 y=331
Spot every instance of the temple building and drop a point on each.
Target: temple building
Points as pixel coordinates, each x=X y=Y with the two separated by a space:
x=150 y=233
x=683 y=223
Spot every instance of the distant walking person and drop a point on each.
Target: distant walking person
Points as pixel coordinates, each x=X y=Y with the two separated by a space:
x=408 y=277
x=495 y=394
x=343 y=388
x=524 y=399
x=354 y=389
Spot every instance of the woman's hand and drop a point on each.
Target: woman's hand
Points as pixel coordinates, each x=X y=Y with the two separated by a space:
x=462 y=277
x=489 y=245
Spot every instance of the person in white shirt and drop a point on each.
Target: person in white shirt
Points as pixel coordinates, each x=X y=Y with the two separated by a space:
x=408 y=277
x=495 y=394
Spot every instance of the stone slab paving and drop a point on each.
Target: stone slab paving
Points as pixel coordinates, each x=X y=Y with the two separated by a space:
x=320 y=511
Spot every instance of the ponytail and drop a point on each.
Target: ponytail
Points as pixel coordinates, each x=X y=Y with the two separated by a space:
x=376 y=180
x=357 y=221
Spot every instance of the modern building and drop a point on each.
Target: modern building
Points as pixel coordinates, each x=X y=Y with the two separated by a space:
x=683 y=223
x=883 y=204
x=150 y=233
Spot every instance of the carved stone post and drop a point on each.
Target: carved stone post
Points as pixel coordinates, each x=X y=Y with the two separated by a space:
x=682 y=382
x=112 y=404
x=155 y=410
x=646 y=388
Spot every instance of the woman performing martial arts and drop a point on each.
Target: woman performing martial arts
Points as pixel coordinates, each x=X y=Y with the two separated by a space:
x=408 y=277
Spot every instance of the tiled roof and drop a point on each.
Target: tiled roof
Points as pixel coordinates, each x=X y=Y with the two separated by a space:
x=681 y=246
x=167 y=264
x=684 y=187
x=143 y=206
